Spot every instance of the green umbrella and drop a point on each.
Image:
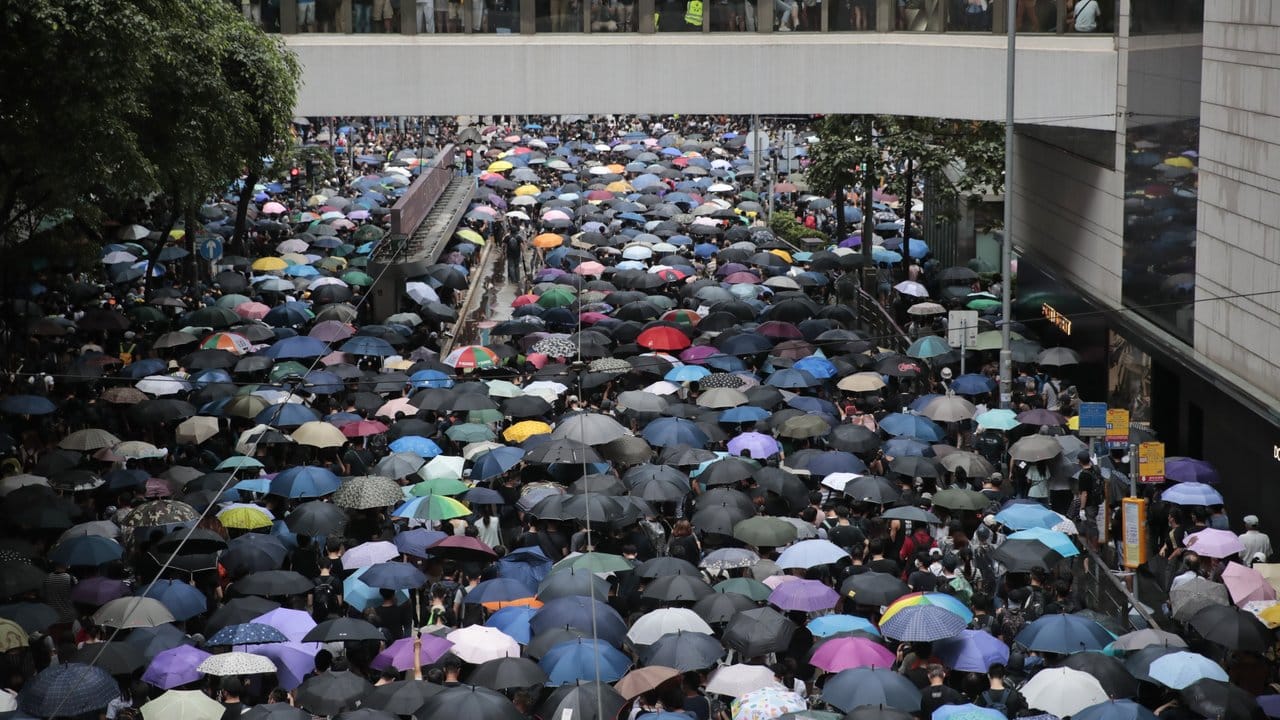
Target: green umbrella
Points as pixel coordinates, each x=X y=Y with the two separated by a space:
x=982 y=304
x=358 y=278
x=558 y=296
x=484 y=416
x=368 y=233
x=469 y=433
x=747 y=587
x=961 y=499
x=439 y=486
x=286 y=369
x=765 y=531
x=232 y=300
x=145 y=313
x=359 y=262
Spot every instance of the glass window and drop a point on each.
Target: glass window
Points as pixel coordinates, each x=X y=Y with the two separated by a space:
x=558 y=16
x=851 y=15
x=970 y=15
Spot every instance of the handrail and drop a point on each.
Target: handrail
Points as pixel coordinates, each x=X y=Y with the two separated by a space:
x=412 y=207
x=886 y=330
x=1100 y=572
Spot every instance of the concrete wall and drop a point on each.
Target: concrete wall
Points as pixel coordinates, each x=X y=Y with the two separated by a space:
x=1238 y=244
x=1061 y=80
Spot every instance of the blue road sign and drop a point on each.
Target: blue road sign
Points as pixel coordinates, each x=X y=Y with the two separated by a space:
x=1093 y=419
x=210 y=248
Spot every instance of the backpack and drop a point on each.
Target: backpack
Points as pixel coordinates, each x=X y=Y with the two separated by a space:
x=324 y=599
x=999 y=703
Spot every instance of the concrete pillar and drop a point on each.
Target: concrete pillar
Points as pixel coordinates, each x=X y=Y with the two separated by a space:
x=764 y=16
x=528 y=17
x=644 y=16
x=886 y=14
x=408 y=17
x=289 y=17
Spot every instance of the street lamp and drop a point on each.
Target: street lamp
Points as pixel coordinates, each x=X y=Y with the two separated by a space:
x=1006 y=246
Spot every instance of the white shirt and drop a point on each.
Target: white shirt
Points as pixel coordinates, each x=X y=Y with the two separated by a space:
x=1255 y=542
x=1086 y=15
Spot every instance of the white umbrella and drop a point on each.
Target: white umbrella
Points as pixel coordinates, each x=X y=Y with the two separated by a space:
x=478 y=644
x=236 y=663
x=652 y=626
x=1063 y=691
x=738 y=680
x=13 y=482
x=160 y=385
x=914 y=289
x=138 y=450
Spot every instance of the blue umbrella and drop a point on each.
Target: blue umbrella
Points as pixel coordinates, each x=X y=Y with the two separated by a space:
x=88 y=550
x=142 y=368
x=1056 y=541
x=420 y=446
x=576 y=612
x=68 y=690
x=368 y=345
x=27 y=405
x=498 y=590
x=1180 y=669
x=686 y=373
x=323 y=382
x=286 y=415
x=972 y=384
x=1185 y=469
x=362 y=596
x=495 y=462
x=828 y=625
x=527 y=565
x=582 y=660
x=921 y=402
x=298 y=346
x=183 y=599
x=668 y=431
x=513 y=621
x=415 y=542
x=929 y=346
x=1115 y=710
x=998 y=419
x=923 y=623
x=906 y=447
x=971 y=651
x=833 y=461
x=856 y=687
x=913 y=426
x=1191 y=493
x=791 y=378
x=393 y=576
x=290 y=313
x=813 y=405
x=484 y=496
x=304 y=481
x=1063 y=634
x=967 y=711
x=819 y=367
x=1021 y=516
x=744 y=414
x=250 y=633
x=430 y=379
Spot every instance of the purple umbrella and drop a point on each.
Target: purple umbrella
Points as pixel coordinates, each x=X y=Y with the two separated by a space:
x=843 y=653
x=1185 y=469
x=293 y=624
x=698 y=353
x=758 y=445
x=294 y=661
x=358 y=215
x=971 y=651
x=852 y=241
x=98 y=591
x=399 y=654
x=175 y=667
x=804 y=595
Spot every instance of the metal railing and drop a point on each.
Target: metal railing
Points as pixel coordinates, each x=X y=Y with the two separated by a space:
x=1107 y=591
x=879 y=324
x=412 y=207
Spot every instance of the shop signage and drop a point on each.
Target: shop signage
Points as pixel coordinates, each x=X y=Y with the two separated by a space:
x=1151 y=462
x=1117 y=428
x=1060 y=321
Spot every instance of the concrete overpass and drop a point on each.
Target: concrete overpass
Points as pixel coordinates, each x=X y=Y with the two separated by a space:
x=1066 y=80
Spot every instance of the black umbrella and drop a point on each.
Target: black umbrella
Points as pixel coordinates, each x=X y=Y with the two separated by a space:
x=872 y=489
x=721 y=607
x=468 y=702
x=1230 y=627
x=849 y=689
x=331 y=692
x=565 y=583
x=508 y=673
x=675 y=588
x=343 y=630
x=874 y=588
x=18 y=577
x=403 y=697
x=665 y=565
x=275 y=711
x=549 y=638
x=1025 y=555
x=115 y=658
x=237 y=611
x=525 y=406
x=273 y=583
x=1110 y=672
x=758 y=631
x=719 y=519
x=316 y=518
x=584 y=701
x=1221 y=701
x=684 y=651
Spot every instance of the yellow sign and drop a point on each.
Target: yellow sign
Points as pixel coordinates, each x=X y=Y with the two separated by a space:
x=1117 y=428
x=1133 y=533
x=1060 y=321
x=1151 y=462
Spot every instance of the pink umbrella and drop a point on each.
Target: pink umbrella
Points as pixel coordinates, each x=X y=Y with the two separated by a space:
x=274 y=208
x=399 y=405
x=591 y=318
x=363 y=428
x=698 y=353
x=589 y=268
x=1214 y=543
x=773 y=581
x=1246 y=584
x=358 y=215
x=843 y=653
x=251 y=310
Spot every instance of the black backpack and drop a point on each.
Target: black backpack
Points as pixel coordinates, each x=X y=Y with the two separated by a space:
x=998 y=702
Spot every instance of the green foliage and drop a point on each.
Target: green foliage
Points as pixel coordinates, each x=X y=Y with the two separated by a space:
x=106 y=101
x=963 y=159
x=785 y=225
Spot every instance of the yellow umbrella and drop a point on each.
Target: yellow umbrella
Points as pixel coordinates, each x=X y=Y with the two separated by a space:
x=861 y=382
x=783 y=254
x=527 y=190
x=1073 y=423
x=245 y=517
x=619 y=186
x=295 y=258
x=1270 y=616
x=318 y=433
x=269 y=264
x=470 y=236
x=1179 y=161
x=177 y=234
x=522 y=431
x=616 y=169
x=317 y=201
x=500 y=166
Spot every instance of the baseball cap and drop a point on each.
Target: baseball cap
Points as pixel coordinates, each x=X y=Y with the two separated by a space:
x=1084 y=456
x=946 y=373
x=1250 y=519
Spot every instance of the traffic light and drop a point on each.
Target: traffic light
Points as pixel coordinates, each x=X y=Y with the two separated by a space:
x=470 y=161
x=295 y=179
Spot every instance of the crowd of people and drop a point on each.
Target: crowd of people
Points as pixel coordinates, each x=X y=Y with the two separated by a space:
x=678 y=482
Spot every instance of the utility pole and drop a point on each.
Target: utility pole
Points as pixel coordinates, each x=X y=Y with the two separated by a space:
x=755 y=152
x=868 y=190
x=1006 y=246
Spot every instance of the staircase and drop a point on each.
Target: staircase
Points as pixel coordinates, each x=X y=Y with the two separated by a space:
x=427 y=242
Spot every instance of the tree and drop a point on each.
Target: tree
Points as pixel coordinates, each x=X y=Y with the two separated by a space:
x=107 y=101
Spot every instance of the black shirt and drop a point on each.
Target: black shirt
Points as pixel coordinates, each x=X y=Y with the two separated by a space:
x=846 y=536
x=698 y=707
x=922 y=581
x=888 y=566
x=1088 y=483
x=935 y=696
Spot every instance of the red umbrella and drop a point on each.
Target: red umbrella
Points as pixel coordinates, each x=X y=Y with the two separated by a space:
x=663 y=338
x=461 y=547
x=363 y=428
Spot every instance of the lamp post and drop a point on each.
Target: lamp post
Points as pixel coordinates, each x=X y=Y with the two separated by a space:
x=1006 y=245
